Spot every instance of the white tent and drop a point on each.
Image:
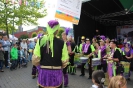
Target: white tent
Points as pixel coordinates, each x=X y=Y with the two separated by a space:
x=32 y=39
x=12 y=37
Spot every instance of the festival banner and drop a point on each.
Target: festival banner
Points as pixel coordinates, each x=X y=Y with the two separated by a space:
x=69 y=10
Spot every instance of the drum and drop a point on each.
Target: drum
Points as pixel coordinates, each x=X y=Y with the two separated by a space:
x=96 y=62
x=126 y=66
x=77 y=58
x=83 y=59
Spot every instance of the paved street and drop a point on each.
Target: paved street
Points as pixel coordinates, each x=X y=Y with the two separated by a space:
x=21 y=78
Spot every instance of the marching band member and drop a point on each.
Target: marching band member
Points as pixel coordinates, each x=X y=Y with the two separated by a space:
x=51 y=54
x=71 y=55
x=128 y=55
x=64 y=37
x=88 y=49
x=113 y=59
x=82 y=43
x=102 y=54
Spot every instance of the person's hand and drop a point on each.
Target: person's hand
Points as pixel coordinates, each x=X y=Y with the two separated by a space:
x=105 y=56
x=109 y=58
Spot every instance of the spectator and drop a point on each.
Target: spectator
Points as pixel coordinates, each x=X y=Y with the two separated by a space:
x=24 y=46
x=98 y=78
x=1 y=58
x=118 y=82
x=6 y=45
x=14 y=57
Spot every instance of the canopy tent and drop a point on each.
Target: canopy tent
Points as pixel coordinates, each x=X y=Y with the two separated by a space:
x=32 y=39
x=103 y=15
x=12 y=37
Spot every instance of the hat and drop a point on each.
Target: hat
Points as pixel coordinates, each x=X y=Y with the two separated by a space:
x=83 y=37
x=87 y=39
x=67 y=30
x=52 y=27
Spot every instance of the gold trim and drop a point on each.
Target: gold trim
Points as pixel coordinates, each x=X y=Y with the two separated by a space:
x=49 y=86
x=51 y=67
x=65 y=63
x=35 y=60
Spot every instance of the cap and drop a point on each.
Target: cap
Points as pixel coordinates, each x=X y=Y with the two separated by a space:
x=87 y=39
x=83 y=37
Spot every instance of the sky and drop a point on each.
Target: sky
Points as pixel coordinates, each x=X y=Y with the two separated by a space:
x=51 y=7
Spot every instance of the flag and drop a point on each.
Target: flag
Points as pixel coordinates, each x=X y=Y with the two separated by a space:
x=27 y=3
x=20 y=2
x=24 y=2
x=38 y=4
x=13 y=2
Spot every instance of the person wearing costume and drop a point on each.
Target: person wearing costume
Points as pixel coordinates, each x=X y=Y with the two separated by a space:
x=72 y=68
x=126 y=60
x=64 y=37
x=113 y=59
x=94 y=42
x=82 y=43
x=51 y=54
x=88 y=49
x=102 y=53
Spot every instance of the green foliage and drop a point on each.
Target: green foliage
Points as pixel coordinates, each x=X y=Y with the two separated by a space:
x=25 y=36
x=15 y=14
x=34 y=35
x=60 y=31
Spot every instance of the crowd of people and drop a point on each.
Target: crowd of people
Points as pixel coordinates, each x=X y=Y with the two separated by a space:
x=53 y=58
x=106 y=61
x=15 y=54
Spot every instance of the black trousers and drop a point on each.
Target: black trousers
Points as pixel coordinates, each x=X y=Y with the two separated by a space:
x=103 y=67
x=65 y=70
x=90 y=69
x=71 y=60
x=82 y=69
x=6 y=58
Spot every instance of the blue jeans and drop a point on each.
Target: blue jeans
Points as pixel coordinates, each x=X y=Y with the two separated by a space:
x=1 y=64
x=14 y=64
x=30 y=56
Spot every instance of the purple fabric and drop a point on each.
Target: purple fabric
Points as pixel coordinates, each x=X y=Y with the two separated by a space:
x=65 y=79
x=110 y=70
x=102 y=37
x=50 y=78
x=83 y=47
x=67 y=30
x=39 y=35
x=86 y=48
x=103 y=53
x=68 y=43
x=127 y=53
x=53 y=23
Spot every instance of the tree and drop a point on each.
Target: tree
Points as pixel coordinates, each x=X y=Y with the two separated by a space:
x=34 y=35
x=24 y=36
x=15 y=14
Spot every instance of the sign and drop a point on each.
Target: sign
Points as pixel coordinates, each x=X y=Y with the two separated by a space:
x=69 y=10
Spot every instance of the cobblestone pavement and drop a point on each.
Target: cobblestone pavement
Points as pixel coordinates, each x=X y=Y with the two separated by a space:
x=21 y=78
